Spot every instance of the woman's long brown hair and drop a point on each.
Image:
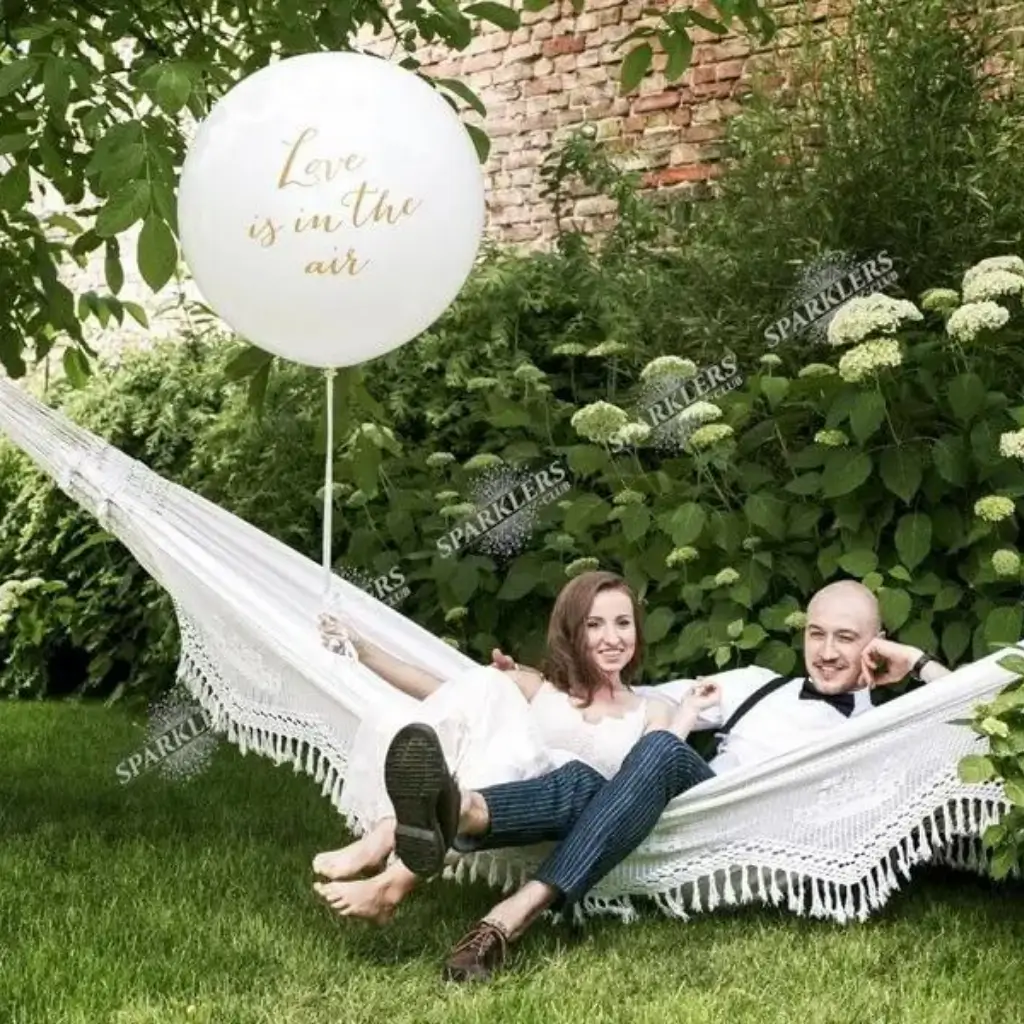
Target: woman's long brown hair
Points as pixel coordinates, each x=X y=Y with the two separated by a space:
x=568 y=663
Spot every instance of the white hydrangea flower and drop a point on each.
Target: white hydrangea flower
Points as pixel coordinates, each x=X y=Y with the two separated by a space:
x=967 y=322
x=443 y=496
x=455 y=614
x=817 y=370
x=437 y=459
x=711 y=434
x=867 y=315
x=771 y=360
x=669 y=366
x=680 y=556
x=1011 y=444
x=1006 y=562
x=485 y=460
x=795 y=620
x=994 y=508
x=529 y=373
x=608 y=348
x=628 y=497
x=831 y=438
x=569 y=348
x=868 y=358
x=599 y=421
x=700 y=412
x=581 y=565
x=482 y=383
x=632 y=434
x=1007 y=264
x=726 y=577
x=940 y=300
x=459 y=511
x=995 y=284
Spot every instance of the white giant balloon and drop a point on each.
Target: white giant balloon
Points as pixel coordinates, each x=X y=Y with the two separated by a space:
x=331 y=207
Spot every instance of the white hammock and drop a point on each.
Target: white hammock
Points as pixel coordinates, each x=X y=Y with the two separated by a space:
x=825 y=830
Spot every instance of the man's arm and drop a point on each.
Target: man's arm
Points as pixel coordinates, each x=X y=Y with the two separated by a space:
x=884 y=662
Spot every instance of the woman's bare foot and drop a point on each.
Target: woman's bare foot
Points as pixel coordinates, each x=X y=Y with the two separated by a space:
x=372 y=899
x=366 y=853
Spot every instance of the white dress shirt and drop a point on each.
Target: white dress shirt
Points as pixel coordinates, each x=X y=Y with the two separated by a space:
x=778 y=723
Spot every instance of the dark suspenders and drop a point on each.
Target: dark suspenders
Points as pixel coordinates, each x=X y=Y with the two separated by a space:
x=752 y=701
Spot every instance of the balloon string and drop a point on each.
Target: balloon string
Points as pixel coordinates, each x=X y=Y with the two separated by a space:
x=329 y=481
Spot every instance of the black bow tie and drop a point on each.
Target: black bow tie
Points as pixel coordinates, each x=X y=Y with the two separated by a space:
x=842 y=702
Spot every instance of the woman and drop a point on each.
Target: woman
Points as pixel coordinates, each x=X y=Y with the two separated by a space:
x=581 y=708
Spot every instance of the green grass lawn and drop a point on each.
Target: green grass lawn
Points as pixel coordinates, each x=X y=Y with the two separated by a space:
x=163 y=901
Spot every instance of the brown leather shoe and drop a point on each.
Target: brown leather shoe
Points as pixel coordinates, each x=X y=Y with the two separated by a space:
x=479 y=954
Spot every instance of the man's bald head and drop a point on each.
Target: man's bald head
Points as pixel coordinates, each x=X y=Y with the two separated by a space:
x=851 y=597
x=842 y=619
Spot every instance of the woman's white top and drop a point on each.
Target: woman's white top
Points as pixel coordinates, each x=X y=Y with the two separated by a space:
x=565 y=731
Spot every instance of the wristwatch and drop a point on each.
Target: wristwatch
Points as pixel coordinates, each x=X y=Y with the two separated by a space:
x=915 y=672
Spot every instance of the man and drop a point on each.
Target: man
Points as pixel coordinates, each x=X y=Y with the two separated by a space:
x=598 y=823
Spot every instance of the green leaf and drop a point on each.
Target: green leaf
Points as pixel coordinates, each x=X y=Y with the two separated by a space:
x=481 y=142
x=1003 y=625
x=586 y=459
x=76 y=366
x=774 y=389
x=901 y=472
x=462 y=90
x=950 y=459
x=859 y=563
x=956 y=638
x=753 y=635
x=14 y=188
x=635 y=66
x=948 y=597
x=686 y=524
x=777 y=656
x=767 y=513
x=635 y=519
x=913 y=539
x=249 y=361
x=157 y=253
x=808 y=483
x=679 y=47
x=113 y=270
x=1003 y=863
x=657 y=624
x=536 y=5
x=497 y=14
x=257 y=392
x=123 y=209
x=898 y=572
x=867 y=414
x=1014 y=792
x=967 y=396
x=975 y=768
x=14 y=143
x=56 y=85
x=585 y=510
x=895 y=606
x=16 y=74
x=522 y=578
x=1013 y=663
x=173 y=88
x=844 y=473
x=137 y=313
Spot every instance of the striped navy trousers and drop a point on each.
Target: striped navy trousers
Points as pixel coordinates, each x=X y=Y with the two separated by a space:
x=596 y=822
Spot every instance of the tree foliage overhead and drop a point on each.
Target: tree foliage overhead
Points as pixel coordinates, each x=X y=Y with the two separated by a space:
x=92 y=98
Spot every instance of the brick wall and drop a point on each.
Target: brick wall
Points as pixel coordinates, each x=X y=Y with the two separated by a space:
x=561 y=70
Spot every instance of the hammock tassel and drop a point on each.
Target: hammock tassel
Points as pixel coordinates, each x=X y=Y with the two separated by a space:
x=817 y=907
x=849 y=909
x=728 y=888
x=695 y=904
x=776 y=889
x=746 y=893
x=714 y=898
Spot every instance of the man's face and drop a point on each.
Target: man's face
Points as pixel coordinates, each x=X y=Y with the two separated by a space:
x=838 y=629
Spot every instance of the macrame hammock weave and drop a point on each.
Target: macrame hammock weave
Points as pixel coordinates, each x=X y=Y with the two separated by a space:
x=826 y=830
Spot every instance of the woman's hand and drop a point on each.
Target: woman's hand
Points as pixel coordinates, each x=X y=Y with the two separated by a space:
x=702 y=696
x=339 y=636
